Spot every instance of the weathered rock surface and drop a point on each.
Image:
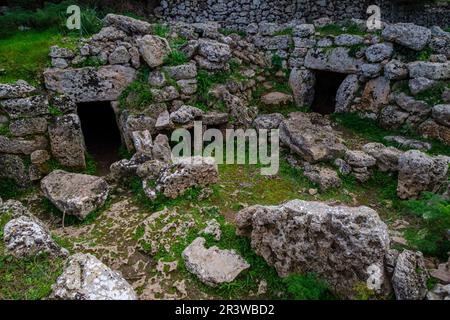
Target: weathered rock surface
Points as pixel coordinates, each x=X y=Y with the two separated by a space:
x=441 y=114
x=302 y=84
x=127 y=24
x=185 y=173
x=276 y=98
x=340 y=244
x=14 y=208
x=185 y=114
x=386 y=157
x=13 y=167
x=419 y=172
x=30 y=126
x=75 y=194
x=27 y=236
x=66 y=141
x=409 y=280
x=311 y=137
x=407 y=34
x=335 y=60
x=25 y=107
x=87 y=278
x=324 y=177
x=90 y=84
x=19 y=89
x=212 y=265
x=22 y=145
x=429 y=70
x=346 y=93
x=153 y=49
x=268 y=121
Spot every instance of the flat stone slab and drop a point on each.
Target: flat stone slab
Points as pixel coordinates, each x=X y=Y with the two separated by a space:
x=212 y=265
x=89 y=83
x=73 y=193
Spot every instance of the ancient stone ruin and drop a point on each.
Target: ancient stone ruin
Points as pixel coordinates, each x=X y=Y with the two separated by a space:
x=146 y=226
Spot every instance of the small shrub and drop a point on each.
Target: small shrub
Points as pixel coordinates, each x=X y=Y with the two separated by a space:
x=175 y=58
x=306 y=287
x=161 y=30
x=9 y=188
x=138 y=94
x=54 y=111
x=4 y=130
x=434 y=213
x=277 y=62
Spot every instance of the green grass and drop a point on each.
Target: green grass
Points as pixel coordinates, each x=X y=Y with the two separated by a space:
x=137 y=95
x=433 y=95
x=369 y=129
x=25 y=54
x=4 y=130
x=161 y=30
x=285 y=32
x=175 y=58
x=54 y=111
x=227 y=32
x=335 y=30
x=27 y=278
x=434 y=214
x=10 y=190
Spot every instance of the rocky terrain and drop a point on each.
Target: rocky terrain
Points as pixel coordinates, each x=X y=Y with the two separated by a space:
x=358 y=210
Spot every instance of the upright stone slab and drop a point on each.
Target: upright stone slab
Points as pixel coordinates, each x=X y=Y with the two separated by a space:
x=67 y=142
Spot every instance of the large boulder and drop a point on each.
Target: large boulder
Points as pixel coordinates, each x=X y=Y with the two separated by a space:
x=342 y=245
x=419 y=172
x=75 y=194
x=90 y=84
x=185 y=173
x=409 y=280
x=311 y=137
x=212 y=265
x=153 y=49
x=407 y=34
x=27 y=236
x=66 y=140
x=127 y=24
x=87 y=278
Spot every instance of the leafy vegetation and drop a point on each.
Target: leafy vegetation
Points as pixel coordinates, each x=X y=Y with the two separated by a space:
x=175 y=58
x=4 y=130
x=138 y=94
x=434 y=214
x=369 y=129
x=285 y=32
x=307 y=287
x=335 y=29
x=161 y=30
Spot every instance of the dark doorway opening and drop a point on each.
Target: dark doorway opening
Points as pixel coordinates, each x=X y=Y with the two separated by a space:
x=101 y=133
x=327 y=85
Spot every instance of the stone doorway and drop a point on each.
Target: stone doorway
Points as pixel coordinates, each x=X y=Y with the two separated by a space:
x=326 y=87
x=101 y=133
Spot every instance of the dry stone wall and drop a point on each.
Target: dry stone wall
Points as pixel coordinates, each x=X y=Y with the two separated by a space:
x=239 y=13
